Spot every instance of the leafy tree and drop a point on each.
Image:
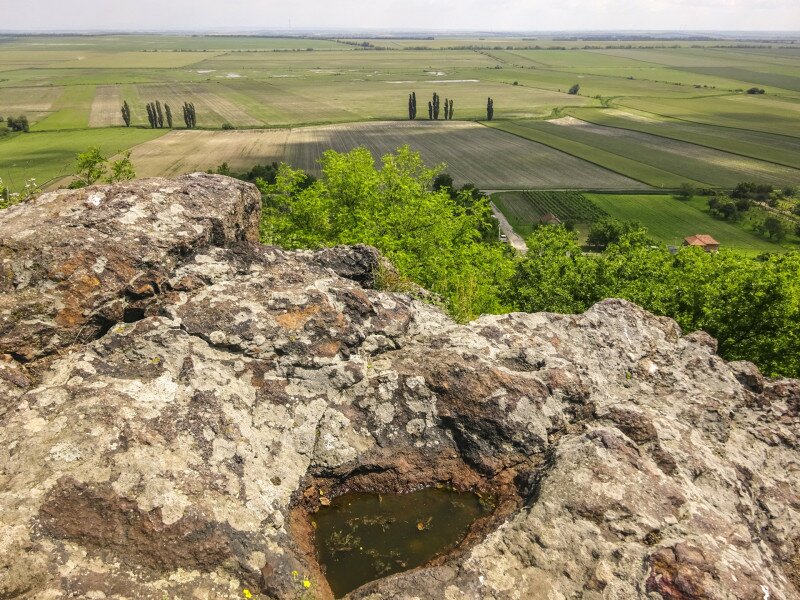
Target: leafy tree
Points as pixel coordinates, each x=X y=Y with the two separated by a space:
x=122 y=169
x=126 y=114
x=443 y=181
x=609 y=230
x=774 y=228
x=573 y=91
x=752 y=191
x=750 y=305
x=18 y=124
x=431 y=238
x=412 y=106
x=168 y=113
x=724 y=207
x=91 y=166
x=189 y=115
x=686 y=191
x=152 y=117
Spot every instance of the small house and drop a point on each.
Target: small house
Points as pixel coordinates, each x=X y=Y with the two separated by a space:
x=702 y=240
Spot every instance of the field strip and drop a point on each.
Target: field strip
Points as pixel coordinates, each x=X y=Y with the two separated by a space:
x=645 y=174
x=688 y=159
x=656 y=160
x=700 y=134
x=106 y=107
x=473 y=153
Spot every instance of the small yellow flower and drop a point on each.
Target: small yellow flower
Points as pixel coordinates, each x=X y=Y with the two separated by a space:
x=306 y=583
x=247 y=593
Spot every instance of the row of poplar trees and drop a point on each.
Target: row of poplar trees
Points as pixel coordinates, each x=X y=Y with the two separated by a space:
x=434 y=108
x=158 y=115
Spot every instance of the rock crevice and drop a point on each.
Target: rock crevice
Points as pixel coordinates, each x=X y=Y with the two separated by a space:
x=174 y=397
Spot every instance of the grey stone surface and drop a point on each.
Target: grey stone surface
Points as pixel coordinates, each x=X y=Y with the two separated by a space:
x=170 y=456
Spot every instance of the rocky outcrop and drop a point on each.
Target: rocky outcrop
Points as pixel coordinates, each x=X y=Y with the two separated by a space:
x=174 y=398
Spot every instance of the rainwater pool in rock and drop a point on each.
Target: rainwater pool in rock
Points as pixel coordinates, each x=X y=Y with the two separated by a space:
x=363 y=537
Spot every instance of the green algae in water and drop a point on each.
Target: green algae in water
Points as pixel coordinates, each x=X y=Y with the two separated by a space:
x=363 y=537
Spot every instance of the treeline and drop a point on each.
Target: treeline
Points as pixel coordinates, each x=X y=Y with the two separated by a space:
x=778 y=214
x=444 y=240
x=435 y=108
x=159 y=115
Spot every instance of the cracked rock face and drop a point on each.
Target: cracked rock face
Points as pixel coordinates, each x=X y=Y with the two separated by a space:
x=173 y=398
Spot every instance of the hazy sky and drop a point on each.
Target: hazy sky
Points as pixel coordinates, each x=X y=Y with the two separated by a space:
x=405 y=14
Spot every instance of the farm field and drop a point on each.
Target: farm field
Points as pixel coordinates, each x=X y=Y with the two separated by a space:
x=657 y=161
x=667 y=219
x=779 y=149
x=49 y=156
x=472 y=154
x=525 y=209
x=649 y=113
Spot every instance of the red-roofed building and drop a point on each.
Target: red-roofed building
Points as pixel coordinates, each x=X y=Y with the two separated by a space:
x=704 y=241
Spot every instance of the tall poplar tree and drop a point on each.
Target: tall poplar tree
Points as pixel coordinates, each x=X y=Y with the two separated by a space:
x=159 y=114
x=489 y=109
x=168 y=112
x=126 y=114
x=450 y=112
x=151 y=115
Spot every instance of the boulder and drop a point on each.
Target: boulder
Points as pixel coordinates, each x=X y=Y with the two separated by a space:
x=174 y=397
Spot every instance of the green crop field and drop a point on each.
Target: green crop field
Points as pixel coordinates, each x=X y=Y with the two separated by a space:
x=524 y=210
x=667 y=219
x=655 y=160
x=50 y=155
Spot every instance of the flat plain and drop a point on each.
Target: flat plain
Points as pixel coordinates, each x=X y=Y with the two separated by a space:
x=647 y=114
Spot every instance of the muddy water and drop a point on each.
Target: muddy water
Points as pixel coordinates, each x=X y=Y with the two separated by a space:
x=363 y=537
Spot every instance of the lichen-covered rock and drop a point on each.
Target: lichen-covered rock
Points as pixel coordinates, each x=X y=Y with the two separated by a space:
x=174 y=398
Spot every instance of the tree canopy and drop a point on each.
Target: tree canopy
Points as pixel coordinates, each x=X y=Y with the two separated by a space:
x=436 y=236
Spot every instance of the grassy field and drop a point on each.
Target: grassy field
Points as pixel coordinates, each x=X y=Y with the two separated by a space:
x=648 y=113
x=667 y=219
x=471 y=153
x=51 y=155
x=655 y=160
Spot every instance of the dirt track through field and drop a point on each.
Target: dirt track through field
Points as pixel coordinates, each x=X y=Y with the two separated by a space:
x=473 y=153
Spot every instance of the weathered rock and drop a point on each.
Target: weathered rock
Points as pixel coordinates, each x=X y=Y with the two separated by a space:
x=173 y=397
